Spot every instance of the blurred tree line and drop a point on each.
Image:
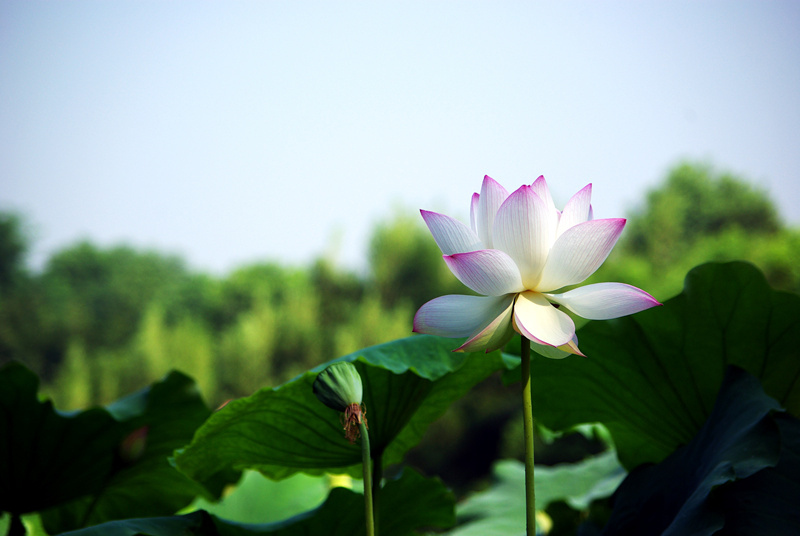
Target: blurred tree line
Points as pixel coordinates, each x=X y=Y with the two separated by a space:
x=698 y=215
x=97 y=323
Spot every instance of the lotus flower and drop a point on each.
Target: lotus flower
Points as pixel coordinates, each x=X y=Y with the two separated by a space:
x=518 y=253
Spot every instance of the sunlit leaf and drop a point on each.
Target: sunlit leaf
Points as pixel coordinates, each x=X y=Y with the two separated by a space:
x=501 y=509
x=652 y=378
x=426 y=503
x=246 y=503
x=407 y=384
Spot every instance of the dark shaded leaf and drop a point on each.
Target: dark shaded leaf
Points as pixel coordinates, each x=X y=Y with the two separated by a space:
x=198 y=523
x=78 y=469
x=49 y=458
x=169 y=411
x=739 y=439
x=766 y=503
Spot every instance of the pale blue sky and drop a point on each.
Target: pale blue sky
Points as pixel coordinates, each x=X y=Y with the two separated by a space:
x=231 y=132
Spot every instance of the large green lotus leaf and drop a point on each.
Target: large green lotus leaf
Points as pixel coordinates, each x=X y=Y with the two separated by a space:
x=167 y=414
x=288 y=497
x=501 y=509
x=47 y=458
x=407 y=384
x=426 y=503
x=78 y=469
x=652 y=378
x=197 y=523
x=739 y=439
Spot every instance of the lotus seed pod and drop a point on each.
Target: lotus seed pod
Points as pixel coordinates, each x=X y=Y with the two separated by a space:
x=339 y=386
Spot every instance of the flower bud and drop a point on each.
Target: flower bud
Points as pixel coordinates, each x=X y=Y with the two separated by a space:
x=339 y=386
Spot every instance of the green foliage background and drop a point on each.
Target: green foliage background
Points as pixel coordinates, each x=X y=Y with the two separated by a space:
x=97 y=323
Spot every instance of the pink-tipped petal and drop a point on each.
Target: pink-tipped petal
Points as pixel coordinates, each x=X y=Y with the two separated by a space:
x=490 y=272
x=473 y=212
x=537 y=319
x=572 y=347
x=456 y=315
x=492 y=196
x=450 y=235
x=579 y=252
x=525 y=229
x=494 y=335
x=576 y=210
x=541 y=189
x=565 y=350
x=602 y=301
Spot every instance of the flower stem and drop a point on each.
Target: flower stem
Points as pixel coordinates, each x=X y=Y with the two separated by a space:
x=365 y=460
x=527 y=415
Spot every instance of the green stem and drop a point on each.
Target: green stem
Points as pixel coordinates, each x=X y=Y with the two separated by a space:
x=527 y=415
x=365 y=460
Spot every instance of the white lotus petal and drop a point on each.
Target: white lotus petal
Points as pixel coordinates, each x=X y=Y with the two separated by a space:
x=541 y=189
x=602 y=301
x=473 y=211
x=537 y=319
x=492 y=196
x=576 y=210
x=450 y=235
x=579 y=252
x=494 y=335
x=552 y=352
x=490 y=272
x=525 y=229
x=456 y=315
